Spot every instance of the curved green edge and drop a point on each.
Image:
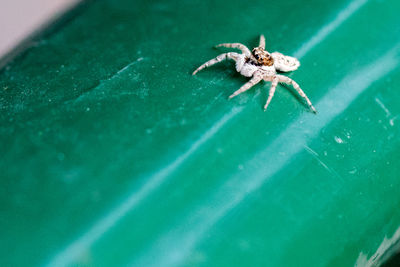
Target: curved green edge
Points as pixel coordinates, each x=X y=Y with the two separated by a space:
x=113 y=154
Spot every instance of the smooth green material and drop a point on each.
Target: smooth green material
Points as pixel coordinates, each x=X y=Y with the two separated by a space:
x=112 y=154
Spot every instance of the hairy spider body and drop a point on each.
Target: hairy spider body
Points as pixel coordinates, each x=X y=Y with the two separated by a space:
x=260 y=65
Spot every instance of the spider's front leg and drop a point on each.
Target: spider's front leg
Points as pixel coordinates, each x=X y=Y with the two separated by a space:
x=219 y=58
x=257 y=77
x=262 y=41
x=274 y=83
x=287 y=80
x=242 y=48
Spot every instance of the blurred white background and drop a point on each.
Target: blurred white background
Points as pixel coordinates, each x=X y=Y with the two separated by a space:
x=20 y=18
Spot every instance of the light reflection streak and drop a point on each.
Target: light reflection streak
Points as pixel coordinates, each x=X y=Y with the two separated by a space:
x=330 y=27
x=77 y=248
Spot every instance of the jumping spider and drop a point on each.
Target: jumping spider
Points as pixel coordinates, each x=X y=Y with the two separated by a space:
x=260 y=65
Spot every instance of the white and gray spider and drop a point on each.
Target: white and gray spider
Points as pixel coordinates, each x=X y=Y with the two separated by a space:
x=260 y=65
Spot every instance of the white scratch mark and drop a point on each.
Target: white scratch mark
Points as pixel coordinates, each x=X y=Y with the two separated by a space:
x=317 y=157
x=312 y=152
x=377 y=100
x=127 y=66
x=101 y=82
x=387 y=111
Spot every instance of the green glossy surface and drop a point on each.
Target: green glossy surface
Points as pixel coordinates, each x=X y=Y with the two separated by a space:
x=113 y=154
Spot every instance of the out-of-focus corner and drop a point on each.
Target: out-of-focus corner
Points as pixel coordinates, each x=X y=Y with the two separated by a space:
x=20 y=18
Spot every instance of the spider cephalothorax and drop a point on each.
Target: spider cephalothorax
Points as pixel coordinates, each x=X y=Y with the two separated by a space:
x=263 y=57
x=260 y=65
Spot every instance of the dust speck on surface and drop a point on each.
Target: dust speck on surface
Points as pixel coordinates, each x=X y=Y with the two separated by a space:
x=339 y=140
x=353 y=171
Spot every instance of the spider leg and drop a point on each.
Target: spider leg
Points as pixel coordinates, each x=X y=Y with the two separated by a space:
x=274 y=83
x=219 y=58
x=242 y=47
x=287 y=80
x=262 y=41
x=256 y=79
